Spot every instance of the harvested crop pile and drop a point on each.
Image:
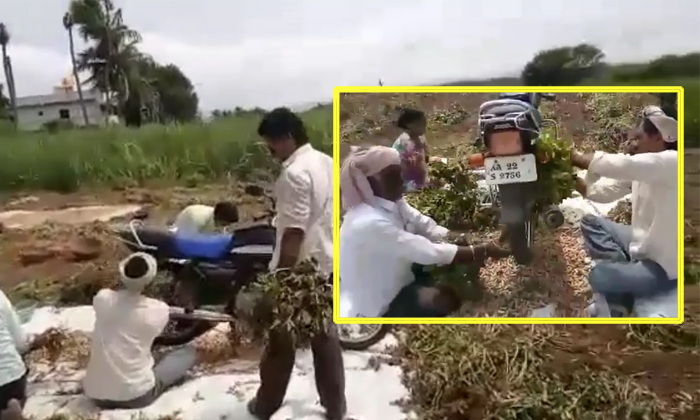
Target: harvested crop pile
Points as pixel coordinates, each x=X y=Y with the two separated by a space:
x=502 y=372
x=613 y=119
x=457 y=205
x=222 y=346
x=300 y=301
x=622 y=212
x=63 y=347
x=669 y=338
x=557 y=276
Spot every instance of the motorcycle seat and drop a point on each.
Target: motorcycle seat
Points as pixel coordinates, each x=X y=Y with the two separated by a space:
x=211 y=246
x=255 y=235
x=525 y=97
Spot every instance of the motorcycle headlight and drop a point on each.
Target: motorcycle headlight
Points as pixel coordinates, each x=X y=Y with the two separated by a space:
x=505 y=143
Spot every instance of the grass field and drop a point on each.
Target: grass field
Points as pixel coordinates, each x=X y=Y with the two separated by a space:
x=190 y=154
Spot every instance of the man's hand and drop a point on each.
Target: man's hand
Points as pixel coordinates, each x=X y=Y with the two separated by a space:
x=461 y=239
x=580 y=160
x=496 y=251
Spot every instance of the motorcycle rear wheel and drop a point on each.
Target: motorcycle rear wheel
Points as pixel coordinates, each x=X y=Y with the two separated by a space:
x=521 y=237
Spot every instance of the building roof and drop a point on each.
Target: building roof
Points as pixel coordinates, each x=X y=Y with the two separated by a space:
x=58 y=97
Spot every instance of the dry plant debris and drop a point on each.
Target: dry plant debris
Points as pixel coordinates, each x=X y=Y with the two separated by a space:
x=506 y=372
x=63 y=347
x=622 y=212
x=300 y=300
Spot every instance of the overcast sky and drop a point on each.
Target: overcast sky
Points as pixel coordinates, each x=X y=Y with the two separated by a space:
x=283 y=52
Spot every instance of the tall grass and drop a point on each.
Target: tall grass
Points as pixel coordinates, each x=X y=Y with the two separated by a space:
x=68 y=160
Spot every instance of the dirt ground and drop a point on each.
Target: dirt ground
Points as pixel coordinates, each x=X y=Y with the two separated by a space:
x=642 y=354
x=160 y=206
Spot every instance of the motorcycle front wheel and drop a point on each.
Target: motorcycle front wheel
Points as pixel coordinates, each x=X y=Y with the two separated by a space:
x=361 y=337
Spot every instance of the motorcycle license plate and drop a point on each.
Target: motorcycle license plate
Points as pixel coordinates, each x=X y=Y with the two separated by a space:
x=510 y=169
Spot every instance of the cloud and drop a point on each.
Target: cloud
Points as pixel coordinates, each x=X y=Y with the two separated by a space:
x=277 y=54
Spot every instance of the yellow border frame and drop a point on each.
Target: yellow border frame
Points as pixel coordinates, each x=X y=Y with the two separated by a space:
x=492 y=89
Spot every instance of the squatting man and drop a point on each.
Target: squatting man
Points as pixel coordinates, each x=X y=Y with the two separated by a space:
x=384 y=242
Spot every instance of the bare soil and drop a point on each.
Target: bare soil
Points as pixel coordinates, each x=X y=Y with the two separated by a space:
x=49 y=254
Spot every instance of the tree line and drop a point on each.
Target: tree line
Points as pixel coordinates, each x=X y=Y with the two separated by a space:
x=134 y=85
x=584 y=64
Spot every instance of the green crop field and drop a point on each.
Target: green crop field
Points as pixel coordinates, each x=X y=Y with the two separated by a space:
x=188 y=153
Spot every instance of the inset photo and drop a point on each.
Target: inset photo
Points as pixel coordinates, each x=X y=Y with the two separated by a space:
x=486 y=205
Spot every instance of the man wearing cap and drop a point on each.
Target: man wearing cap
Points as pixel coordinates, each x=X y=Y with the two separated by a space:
x=121 y=372
x=639 y=260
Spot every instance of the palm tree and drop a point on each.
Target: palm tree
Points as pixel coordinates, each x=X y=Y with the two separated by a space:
x=68 y=24
x=7 y=67
x=111 y=57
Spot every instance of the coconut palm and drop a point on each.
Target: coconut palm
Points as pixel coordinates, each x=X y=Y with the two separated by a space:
x=68 y=24
x=7 y=67
x=111 y=57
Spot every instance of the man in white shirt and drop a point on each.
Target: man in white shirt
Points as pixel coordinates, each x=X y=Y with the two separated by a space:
x=201 y=219
x=13 y=344
x=121 y=372
x=382 y=239
x=304 y=201
x=638 y=260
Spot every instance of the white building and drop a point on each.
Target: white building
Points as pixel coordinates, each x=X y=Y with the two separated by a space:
x=61 y=105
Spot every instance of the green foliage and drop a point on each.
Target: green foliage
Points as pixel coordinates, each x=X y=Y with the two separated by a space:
x=680 y=66
x=300 y=299
x=68 y=159
x=453 y=201
x=563 y=66
x=457 y=206
x=555 y=173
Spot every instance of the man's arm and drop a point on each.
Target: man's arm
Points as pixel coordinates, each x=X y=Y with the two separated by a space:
x=14 y=326
x=421 y=250
x=293 y=212
x=424 y=226
x=643 y=167
x=603 y=190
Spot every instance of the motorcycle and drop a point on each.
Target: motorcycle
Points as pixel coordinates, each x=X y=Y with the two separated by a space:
x=510 y=166
x=205 y=268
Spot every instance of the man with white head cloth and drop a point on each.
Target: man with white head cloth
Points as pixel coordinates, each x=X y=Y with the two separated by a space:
x=382 y=238
x=637 y=261
x=121 y=372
